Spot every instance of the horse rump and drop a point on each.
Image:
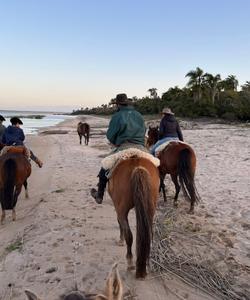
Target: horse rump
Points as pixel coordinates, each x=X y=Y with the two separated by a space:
x=8 y=177
x=141 y=193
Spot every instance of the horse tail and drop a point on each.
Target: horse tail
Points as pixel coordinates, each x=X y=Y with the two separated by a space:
x=186 y=176
x=140 y=182
x=9 y=174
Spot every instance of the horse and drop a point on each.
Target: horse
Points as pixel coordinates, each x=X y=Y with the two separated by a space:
x=135 y=183
x=113 y=290
x=83 y=129
x=177 y=159
x=14 y=171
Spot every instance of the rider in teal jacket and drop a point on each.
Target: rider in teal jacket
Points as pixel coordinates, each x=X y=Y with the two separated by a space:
x=126 y=127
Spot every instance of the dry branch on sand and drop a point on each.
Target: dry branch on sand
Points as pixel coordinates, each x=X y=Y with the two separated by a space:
x=188 y=264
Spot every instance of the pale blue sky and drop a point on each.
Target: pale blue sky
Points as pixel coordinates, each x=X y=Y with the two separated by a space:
x=82 y=53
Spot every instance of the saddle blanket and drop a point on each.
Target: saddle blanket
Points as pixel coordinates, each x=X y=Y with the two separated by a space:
x=164 y=145
x=111 y=161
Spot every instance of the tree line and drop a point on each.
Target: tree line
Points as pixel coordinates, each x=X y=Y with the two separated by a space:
x=205 y=95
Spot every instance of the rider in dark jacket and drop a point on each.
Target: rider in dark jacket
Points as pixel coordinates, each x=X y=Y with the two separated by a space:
x=169 y=129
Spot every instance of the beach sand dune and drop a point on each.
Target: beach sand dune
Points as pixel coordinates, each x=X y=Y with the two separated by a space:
x=62 y=237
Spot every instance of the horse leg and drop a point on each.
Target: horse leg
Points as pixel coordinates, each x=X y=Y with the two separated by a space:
x=80 y=137
x=121 y=241
x=129 y=241
x=85 y=137
x=162 y=187
x=2 y=217
x=16 y=194
x=25 y=184
x=177 y=188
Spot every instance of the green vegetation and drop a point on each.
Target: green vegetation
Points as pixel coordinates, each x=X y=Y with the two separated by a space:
x=16 y=245
x=205 y=95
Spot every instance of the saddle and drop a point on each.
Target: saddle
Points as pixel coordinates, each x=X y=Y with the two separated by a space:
x=15 y=149
x=110 y=162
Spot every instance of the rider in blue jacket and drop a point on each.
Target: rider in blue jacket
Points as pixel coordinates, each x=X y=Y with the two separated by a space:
x=14 y=136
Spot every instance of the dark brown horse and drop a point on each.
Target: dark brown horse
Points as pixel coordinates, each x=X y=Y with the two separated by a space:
x=135 y=183
x=177 y=159
x=83 y=129
x=14 y=171
x=113 y=290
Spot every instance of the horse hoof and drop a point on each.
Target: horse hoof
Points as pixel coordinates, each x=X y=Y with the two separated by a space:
x=141 y=276
x=120 y=243
x=176 y=204
x=131 y=268
x=191 y=212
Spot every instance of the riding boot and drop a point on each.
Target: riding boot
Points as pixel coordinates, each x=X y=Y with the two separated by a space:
x=98 y=194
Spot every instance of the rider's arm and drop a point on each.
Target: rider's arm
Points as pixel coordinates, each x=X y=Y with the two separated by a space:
x=21 y=135
x=161 y=131
x=113 y=130
x=178 y=129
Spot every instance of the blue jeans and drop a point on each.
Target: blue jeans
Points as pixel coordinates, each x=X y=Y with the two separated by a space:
x=160 y=142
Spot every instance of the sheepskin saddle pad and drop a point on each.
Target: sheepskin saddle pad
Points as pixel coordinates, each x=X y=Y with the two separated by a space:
x=15 y=149
x=164 y=145
x=111 y=161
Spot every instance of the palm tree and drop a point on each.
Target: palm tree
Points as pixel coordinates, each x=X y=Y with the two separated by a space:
x=153 y=93
x=230 y=83
x=213 y=84
x=246 y=87
x=195 y=82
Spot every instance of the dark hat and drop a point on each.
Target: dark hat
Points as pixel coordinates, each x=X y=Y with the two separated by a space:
x=16 y=120
x=122 y=99
x=2 y=118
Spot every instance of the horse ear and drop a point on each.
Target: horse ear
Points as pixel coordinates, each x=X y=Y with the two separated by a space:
x=114 y=288
x=31 y=296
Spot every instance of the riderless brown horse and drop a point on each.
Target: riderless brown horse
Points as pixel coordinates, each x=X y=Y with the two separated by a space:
x=177 y=159
x=83 y=129
x=135 y=183
x=113 y=290
x=14 y=171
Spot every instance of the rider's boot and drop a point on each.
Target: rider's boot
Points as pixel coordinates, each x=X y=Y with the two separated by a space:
x=99 y=193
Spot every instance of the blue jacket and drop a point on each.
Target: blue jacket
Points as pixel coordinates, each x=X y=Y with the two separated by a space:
x=13 y=136
x=126 y=125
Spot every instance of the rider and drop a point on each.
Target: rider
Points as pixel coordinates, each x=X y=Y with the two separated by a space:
x=169 y=129
x=126 y=129
x=2 y=127
x=14 y=136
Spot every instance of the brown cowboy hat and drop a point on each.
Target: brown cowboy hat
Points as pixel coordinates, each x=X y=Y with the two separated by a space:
x=16 y=120
x=121 y=99
x=167 y=110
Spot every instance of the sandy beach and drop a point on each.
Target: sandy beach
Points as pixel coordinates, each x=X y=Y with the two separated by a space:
x=61 y=236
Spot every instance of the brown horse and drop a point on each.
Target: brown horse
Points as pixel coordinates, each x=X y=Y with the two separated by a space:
x=113 y=290
x=177 y=159
x=83 y=129
x=135 y=183
x=14 y=171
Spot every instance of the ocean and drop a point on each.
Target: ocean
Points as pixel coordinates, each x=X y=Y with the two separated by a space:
x=34 y=120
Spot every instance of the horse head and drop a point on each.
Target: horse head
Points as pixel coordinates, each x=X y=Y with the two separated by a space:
x=113 y=290
x=153 y=135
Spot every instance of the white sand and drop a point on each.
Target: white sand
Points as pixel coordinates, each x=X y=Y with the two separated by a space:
x=66 y=237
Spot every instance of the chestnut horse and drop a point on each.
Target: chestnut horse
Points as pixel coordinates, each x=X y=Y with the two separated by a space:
x=177 y=159
x=83 y=129
x=113 y=290
x=135 y=183
x=14 y=171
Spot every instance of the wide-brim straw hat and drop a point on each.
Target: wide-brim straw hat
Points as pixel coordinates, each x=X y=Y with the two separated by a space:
x=16 y=120
x=167 y=110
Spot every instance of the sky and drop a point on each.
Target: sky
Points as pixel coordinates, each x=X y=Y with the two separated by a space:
x=81 y=53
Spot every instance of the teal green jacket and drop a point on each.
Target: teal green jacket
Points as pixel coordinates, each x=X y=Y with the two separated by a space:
x=126 y=125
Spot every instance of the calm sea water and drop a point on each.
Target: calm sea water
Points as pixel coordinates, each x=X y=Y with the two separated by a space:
x=31 y=124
